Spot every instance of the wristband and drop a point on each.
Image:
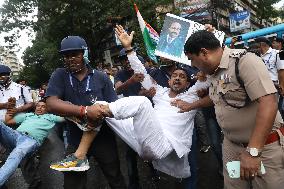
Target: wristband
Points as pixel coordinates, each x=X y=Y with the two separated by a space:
x=129 y=50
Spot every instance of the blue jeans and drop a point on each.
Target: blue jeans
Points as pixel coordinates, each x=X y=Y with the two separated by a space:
x=21 y=146
x=191 y=182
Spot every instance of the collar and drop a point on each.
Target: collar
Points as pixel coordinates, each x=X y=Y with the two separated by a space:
x=224 y=63
x=267 y=52
x=90 y=71
x=11 y=85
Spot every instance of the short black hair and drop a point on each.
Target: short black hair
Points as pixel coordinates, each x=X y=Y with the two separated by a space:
x=201 y=39
x=186 y=72
x=42 y=100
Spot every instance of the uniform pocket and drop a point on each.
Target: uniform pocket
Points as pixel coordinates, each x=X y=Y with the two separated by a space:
x=232 y=95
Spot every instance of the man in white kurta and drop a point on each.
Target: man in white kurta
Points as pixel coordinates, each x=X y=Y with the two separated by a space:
x=162 y=133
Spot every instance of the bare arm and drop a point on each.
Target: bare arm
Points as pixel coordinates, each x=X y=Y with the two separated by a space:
x=65 y=109
x=265 y=117
x=25 y=107
x=3 y=106
x=121 y=86
x=62 y=108
x=9 y=117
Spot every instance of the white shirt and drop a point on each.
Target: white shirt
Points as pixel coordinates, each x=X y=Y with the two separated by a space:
x=14 y=90
x=273 y=63
x=177 y=127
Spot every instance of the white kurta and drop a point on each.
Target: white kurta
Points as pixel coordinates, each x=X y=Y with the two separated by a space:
x=160 y=133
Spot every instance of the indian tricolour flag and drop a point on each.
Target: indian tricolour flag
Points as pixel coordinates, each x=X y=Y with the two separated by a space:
x=150 y=36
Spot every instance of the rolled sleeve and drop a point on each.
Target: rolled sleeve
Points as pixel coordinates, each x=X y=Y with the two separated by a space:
x=255 y=77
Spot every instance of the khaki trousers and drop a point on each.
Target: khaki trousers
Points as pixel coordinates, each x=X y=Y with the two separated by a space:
x=272 y=158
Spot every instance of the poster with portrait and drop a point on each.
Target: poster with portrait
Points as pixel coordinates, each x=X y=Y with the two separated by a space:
x=176 y=30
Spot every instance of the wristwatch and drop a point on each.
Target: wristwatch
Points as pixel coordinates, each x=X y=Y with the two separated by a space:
x=254 y=152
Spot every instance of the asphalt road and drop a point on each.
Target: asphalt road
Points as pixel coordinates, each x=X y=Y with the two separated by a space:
x=52 y=150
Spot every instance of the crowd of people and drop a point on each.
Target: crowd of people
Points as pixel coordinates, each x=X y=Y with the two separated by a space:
x=230 y=99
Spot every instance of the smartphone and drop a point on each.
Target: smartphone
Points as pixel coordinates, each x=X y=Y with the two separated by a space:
x=234 y=168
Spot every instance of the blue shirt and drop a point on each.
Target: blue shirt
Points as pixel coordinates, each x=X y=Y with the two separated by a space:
x=68 y=88
x=132 y=89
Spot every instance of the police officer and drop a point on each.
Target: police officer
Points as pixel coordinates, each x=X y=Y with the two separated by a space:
x=10 y=89
x=277 y=43
x=80 y=85
x=246 y=109
x=272 y=61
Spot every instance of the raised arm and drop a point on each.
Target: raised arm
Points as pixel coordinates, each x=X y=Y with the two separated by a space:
x=135 y=63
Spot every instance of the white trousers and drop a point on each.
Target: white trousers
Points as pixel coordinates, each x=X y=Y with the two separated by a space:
x=136 y=123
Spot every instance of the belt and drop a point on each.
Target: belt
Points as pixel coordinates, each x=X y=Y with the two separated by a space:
x=272 y=137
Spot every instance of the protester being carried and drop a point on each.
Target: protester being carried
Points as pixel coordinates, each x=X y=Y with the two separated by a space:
x=162 y=133
x=27 y=138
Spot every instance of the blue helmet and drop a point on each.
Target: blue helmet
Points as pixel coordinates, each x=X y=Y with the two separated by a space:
x=71 y=43
x=4 y=69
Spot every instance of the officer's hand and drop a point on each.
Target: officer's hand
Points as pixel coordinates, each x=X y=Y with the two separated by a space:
x=249 y=166
x=124 y=37
x=149 y=93
x=95 y=112
x=136 y=78
x=182 y=105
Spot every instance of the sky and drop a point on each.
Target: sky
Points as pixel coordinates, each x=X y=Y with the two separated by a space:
x=25 y=41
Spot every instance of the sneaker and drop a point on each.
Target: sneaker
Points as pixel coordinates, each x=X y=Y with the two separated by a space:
x=71 y=163
x=205 y=149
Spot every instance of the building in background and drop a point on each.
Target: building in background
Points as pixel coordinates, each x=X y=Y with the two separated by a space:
x=219 y=12
x=9 y=58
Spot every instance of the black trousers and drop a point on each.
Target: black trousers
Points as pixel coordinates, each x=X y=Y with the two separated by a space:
x=30 y=170
x=104 y=150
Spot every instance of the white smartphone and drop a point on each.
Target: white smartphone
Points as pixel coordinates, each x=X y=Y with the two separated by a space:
x=234 y=167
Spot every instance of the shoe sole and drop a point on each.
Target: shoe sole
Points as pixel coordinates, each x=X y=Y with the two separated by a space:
x=85 y=168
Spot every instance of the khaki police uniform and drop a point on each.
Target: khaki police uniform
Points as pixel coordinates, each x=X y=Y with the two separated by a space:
x=238 y=123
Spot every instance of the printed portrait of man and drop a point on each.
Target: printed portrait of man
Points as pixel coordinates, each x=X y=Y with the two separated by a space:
x=173 y=37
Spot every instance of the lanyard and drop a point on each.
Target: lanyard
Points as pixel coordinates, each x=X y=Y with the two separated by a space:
x=267 y=61
x=87 y=85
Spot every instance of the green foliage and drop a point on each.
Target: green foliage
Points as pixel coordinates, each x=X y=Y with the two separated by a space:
x=265 y=9
x=93 y=20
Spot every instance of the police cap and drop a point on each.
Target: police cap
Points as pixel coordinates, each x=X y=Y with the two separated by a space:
x=263 y=39
x=4 y=69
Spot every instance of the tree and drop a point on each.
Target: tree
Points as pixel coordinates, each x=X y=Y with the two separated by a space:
x=265 y=10
x=59 y=18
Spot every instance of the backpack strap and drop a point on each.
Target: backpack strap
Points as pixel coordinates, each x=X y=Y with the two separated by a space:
x=240 y=81
x=22 y=95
